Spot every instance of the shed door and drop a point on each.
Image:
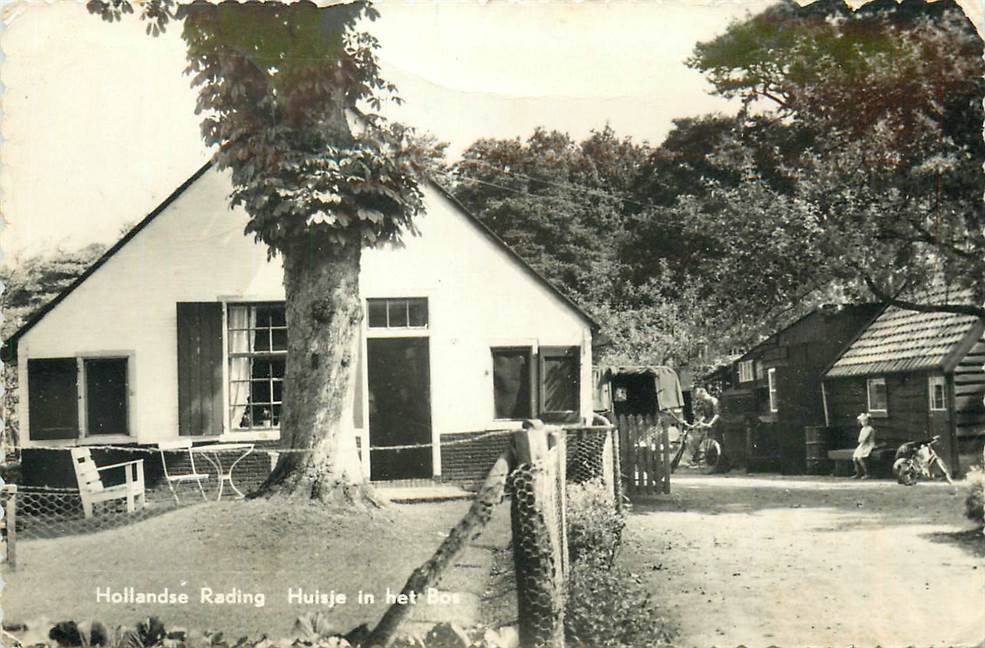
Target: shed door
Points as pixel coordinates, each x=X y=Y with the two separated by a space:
x=399 y=407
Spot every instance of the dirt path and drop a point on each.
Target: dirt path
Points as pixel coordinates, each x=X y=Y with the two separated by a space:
x=811 y=562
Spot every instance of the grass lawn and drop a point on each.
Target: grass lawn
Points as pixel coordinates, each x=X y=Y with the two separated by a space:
x=255 y=546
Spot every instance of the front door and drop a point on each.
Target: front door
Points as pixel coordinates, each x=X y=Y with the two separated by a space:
x=399 y=407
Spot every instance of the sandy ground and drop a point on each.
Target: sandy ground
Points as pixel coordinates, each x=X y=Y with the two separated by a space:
x=251 y=547
x=763 y=561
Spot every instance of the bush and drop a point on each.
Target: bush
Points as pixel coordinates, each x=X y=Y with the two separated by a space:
x=594 y=526
x=607 y=607
x=974 y=503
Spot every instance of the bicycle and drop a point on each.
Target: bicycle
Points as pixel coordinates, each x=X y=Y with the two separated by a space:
x=707 y=457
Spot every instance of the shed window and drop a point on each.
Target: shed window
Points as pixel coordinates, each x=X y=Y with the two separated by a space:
x=771 y=377
x=877 y=396
x=512 y=387
x=398 y=313
x=746 y=371
x=106 y=396
x=257 y=364
x=936 y=387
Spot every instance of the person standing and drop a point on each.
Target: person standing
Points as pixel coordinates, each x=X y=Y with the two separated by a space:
x=866 y=442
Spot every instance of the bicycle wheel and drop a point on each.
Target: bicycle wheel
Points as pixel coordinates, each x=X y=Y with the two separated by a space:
x=710 y=452
x=681 y=446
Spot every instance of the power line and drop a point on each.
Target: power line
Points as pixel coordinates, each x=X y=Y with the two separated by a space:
x=560 y=185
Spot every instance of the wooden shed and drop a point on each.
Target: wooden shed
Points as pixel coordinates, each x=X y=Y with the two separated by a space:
x=917 y=374
x=776 y=389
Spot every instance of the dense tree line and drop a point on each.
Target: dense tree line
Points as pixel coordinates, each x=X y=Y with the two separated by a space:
x=851 y=172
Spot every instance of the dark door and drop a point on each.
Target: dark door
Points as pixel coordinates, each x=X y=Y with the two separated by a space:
x=399 y=407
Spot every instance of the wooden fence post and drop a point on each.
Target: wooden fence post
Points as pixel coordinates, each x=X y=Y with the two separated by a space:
x=536 y=542
x=10 y=524
x=490 y=495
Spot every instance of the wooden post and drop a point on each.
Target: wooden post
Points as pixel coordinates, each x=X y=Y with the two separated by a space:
x=536 y=545
x=10 y=524
x=665 y=458
x=427 y=574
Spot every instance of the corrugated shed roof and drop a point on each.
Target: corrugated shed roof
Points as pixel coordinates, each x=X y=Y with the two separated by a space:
x=902 y=340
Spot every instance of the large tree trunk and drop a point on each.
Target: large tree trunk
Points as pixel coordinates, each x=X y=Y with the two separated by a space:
x=321 y=283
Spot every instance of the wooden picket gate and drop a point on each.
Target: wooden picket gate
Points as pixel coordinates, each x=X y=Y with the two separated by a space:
x=644 y=454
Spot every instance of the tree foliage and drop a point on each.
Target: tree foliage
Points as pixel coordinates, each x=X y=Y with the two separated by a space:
x=889 y=176
x=287 y=94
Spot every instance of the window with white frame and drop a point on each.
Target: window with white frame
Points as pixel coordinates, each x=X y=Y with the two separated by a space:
x=938 y=402
x=257 y=364
x=746 y=371
x=876 y=395
x=771 y=378
x=397 y=313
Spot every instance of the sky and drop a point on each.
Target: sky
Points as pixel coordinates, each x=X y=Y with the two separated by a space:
x=99 y=124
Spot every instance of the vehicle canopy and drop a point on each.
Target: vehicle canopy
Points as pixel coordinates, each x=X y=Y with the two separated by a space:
x=637 y=390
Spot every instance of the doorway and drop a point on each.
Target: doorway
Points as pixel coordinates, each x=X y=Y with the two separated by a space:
x=399 y=380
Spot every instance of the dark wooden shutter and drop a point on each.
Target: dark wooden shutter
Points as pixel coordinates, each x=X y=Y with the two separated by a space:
x=53 y=398
x=560 y=383
x=200 y=357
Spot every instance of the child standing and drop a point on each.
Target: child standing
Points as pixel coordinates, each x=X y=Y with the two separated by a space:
x=866 y=441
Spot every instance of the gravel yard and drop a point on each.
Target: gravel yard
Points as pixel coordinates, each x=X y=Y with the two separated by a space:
x=785 y=561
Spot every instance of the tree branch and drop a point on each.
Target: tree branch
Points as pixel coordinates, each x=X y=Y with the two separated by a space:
x=905 y=304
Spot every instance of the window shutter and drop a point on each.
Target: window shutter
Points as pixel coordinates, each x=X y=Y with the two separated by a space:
x=560 y=383
x=200 y=410
x=53 y=398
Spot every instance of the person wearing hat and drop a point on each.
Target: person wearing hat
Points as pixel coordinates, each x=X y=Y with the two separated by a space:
x=866 y=441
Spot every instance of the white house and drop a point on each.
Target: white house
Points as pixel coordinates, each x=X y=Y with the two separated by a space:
x=179 y=330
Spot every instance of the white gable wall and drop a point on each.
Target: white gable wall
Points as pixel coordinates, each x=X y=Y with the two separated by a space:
x=196 y=251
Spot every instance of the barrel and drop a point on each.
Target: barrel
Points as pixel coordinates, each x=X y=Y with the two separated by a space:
x=816 y=441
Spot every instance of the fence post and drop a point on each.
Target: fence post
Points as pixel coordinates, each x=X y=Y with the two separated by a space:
x=536 y=542
x=10 y=524
x=467 y=529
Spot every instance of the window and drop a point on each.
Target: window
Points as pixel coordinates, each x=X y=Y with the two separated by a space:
x=106 y=396
x=746 y=370
x=512 y=386
x=771 y=377
x=53 y=397
x=878 y=400
x=257 y=364
x=53 y=401
x=938 y=403
x=759 y=369
x=398 y=313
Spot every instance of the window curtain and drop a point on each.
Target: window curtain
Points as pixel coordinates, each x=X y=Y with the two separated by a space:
x=244 y=319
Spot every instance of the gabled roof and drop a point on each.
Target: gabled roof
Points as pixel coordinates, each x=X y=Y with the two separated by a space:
x=866 y=310
x=8 y=351
x=902 y=340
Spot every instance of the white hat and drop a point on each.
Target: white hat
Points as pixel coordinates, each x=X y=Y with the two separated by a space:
x=864 y=416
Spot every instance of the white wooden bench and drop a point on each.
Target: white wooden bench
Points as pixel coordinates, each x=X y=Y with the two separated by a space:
x=91 y=488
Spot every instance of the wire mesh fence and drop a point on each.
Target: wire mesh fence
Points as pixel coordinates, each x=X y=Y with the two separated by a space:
x=50 y=513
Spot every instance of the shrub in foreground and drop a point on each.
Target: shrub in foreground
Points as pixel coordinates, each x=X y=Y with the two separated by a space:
x=608 y=607
x=974 y=503
x=594 y=526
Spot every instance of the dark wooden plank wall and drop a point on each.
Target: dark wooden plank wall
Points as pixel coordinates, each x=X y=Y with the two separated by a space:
x=969 y=388
x=909 y=407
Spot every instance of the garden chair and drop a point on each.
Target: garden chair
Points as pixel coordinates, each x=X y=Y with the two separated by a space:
x=91 y=488
x=185 y=477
